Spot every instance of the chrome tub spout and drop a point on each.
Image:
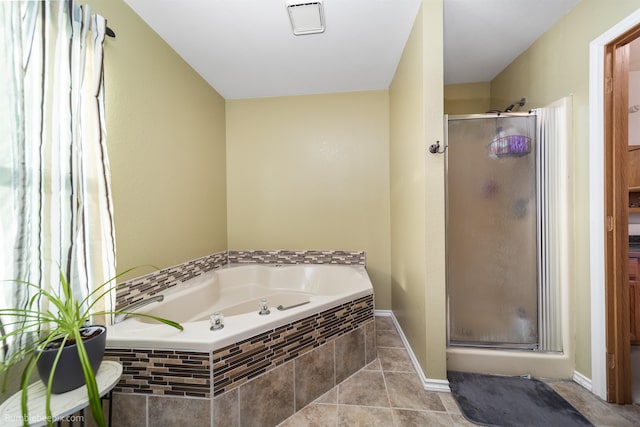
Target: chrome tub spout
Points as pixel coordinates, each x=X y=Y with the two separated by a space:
x=136 y=306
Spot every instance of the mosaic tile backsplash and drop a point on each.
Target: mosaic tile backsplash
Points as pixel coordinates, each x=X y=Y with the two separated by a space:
x=137 y=289
x=297 y=257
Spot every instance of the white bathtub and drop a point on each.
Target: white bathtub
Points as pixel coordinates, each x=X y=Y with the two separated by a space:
x=235 y=292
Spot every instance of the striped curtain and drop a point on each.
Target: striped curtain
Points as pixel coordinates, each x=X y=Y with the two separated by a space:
x=55 y=197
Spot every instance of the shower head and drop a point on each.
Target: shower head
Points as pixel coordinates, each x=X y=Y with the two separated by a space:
x=518 y=103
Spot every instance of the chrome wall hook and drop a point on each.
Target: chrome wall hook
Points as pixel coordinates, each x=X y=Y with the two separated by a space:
x=435 y=148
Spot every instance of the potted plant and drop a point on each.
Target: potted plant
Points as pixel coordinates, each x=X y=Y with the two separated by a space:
x=62 y=327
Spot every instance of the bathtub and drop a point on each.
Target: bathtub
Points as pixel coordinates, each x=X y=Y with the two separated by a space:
x=299 y=291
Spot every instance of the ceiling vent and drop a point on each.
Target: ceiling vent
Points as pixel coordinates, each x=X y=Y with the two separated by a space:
x=306 y=17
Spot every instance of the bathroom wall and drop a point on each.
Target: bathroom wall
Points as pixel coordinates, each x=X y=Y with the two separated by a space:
x=166 y=143
x=467 y=98
x=555 y=66
x=417 y=192
x=312 y=172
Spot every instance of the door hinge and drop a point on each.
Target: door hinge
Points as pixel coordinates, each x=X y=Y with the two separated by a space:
x=608 y=84
x=611 y=361
x=609 y=223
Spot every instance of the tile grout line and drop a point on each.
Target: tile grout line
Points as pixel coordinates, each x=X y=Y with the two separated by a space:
x=386 y=388
x=293 y=374
x=212 y=408
x=336 y=385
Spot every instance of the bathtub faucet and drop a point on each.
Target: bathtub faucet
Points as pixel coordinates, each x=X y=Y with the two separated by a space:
x=136 y=306
x=217 y=321
x=263 y=305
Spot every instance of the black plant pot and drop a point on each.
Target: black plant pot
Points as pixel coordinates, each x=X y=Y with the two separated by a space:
x=69 y=375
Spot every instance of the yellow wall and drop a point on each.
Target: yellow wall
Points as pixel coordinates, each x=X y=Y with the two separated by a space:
x=166 y=143
x=311 y=172
x=467 y=98
x=555 y=66
x=417 y=192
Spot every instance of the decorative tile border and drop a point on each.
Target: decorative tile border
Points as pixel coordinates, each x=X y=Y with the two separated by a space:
x=137 y=289
x=297 y=257
x=238 y=363
x=162 y=372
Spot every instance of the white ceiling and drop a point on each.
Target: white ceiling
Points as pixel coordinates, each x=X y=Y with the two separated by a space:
x=246 y=49
x=482 y=37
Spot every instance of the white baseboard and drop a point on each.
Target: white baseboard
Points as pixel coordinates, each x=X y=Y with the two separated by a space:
x=428 y=384
x=582 y=380
x=383 y=313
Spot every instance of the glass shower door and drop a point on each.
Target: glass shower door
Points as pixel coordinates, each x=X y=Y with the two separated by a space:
x=491 y=231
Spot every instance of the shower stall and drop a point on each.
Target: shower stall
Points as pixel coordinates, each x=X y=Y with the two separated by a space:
x=495 y=229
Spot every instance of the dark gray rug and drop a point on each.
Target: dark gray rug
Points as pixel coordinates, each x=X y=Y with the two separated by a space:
x=493 y=400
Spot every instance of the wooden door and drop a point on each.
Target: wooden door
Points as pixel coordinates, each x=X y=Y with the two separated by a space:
x=616 y=120
x=634 y=312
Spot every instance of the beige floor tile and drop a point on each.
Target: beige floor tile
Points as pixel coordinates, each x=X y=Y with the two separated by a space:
x=384 y=324
x=395 y=359
x=406 y=392
x=630 y=412
x=407 y=418
x=386 y=338
x=329 y=397
x=365 y=388
x=313 y=415
x=595 y=410
x=374 y=366
x=449 y=403
x=362 y=416
x=459 y=420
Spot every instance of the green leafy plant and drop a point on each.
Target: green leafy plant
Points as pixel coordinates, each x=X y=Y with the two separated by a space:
x=61 y=323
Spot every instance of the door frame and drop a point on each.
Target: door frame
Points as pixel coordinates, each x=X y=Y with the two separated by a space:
x=607 y=350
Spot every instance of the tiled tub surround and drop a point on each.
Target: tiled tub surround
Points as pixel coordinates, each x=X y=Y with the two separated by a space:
x=172 y=381
x=309 y=356
x=235 y=364
x=270 y=398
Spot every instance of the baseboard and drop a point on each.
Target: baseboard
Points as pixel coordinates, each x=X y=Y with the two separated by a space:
x=582 y=380
x=428 y=384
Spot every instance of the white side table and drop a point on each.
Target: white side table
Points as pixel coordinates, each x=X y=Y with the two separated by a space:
x=62 y=405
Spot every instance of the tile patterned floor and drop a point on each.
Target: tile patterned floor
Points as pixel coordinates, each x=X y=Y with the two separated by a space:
x=388 y=393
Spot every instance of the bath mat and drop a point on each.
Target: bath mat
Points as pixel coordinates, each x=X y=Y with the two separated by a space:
x=493 y=400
